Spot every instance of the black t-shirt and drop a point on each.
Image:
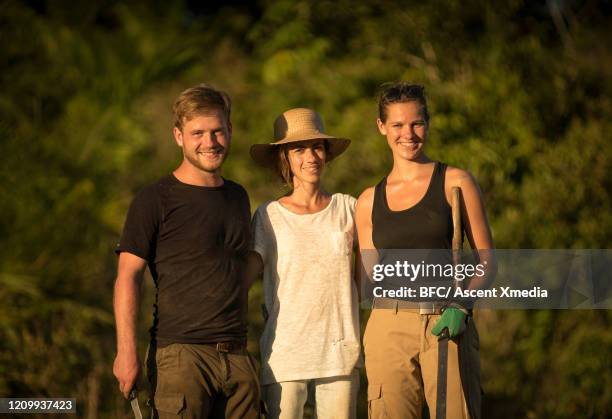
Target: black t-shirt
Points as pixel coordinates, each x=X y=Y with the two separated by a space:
x=195 y=240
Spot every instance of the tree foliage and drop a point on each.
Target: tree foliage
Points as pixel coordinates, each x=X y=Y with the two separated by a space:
x=519 y=95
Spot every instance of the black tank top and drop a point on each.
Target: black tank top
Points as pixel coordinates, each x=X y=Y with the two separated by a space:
x=426 y=225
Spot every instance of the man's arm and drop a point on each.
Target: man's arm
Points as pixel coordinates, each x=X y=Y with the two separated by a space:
x=126 y=302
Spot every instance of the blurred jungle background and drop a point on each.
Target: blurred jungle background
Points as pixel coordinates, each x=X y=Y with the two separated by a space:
x=520 y=94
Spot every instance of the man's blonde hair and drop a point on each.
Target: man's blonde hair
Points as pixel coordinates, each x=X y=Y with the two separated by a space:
x=200 y=100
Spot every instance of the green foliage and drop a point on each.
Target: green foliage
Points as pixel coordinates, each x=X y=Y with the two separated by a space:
x=518 y=97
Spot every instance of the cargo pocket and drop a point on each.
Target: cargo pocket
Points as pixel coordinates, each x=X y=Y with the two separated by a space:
x=376 y=403
x=170 y=405
x=167 y=358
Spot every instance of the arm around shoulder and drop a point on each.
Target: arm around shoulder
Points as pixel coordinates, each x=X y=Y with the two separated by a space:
x=254 y=268
x=257 y=254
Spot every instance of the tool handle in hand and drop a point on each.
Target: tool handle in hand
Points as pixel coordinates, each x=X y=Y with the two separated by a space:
x=456 y=214
x=444 y=334
x=133 y=393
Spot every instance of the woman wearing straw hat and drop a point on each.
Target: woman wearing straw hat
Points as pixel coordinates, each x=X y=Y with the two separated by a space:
x=303 y=242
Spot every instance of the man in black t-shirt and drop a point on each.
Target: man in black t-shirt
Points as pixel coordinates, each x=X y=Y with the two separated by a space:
x=192 y=229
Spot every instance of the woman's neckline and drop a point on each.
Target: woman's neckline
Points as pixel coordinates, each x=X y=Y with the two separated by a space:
x=386 y=202
x=327 y=207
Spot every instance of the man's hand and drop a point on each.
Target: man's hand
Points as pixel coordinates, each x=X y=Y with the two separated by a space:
x=453 y=319
x=126 y=368
x=125 y=302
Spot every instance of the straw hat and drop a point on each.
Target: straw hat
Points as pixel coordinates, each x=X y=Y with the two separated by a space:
x=299 y=124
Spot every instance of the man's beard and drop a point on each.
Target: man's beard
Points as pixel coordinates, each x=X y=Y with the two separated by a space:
x=211 y=167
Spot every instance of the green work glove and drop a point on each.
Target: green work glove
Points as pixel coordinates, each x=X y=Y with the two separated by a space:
x=453 y=319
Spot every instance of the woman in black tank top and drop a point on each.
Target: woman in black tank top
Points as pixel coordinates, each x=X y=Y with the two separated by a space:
x=409 y=209
x=426 y=225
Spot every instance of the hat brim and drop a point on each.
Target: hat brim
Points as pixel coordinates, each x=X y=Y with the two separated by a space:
x=266 y=154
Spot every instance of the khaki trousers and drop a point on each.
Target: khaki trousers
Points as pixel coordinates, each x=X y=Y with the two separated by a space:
x=198 y=381
x=401 y=359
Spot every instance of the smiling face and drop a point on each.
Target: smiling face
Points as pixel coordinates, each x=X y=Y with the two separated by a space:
x=307 y=160
x=205 y=140
x=406 y=129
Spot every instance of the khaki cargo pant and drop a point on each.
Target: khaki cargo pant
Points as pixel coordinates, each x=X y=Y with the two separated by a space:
x=197 y=381
x=401 y=359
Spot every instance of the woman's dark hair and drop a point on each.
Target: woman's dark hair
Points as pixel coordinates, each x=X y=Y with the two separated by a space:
x=283 y=167
x=400 y=93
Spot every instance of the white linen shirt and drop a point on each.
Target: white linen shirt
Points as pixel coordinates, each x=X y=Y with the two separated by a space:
x=313 y=326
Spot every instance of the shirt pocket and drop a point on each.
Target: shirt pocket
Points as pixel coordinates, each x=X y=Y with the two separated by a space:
x=341 y=242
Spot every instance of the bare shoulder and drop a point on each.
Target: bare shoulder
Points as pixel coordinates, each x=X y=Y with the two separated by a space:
x=366 y=199
x=459 y=177
x=363 y=218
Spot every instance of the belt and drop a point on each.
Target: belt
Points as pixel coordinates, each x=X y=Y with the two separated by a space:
x=229 y=346
x=425 y=307
x=228 y=385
